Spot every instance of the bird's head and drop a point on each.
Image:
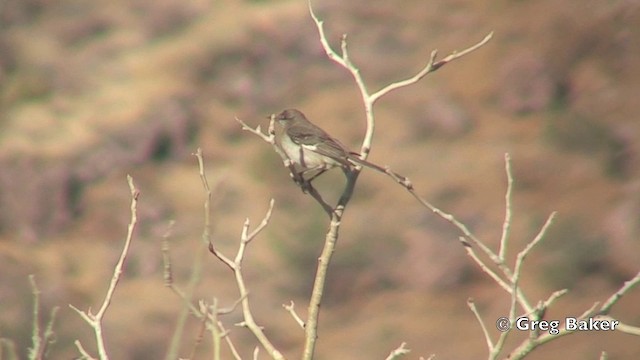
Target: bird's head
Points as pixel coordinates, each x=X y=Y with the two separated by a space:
x=288 y=116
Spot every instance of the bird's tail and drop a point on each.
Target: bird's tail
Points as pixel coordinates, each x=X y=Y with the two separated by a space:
x=355 y=159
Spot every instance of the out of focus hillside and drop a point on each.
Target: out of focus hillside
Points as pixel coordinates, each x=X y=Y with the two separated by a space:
x=92 y=91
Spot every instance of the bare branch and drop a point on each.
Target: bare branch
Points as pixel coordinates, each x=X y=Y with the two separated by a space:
x=552 y=298
x=236 y=266
x=628 y=285
x=472 y=254
x=369 y=99
x=95 y=321
x=292 y=311
x=523 y=254
x=125 y=251
x=82 y=351
x=40 y=340
x=263 y=223
x=506 y=225
x=431 y=66
x=232 y=308
x=232 y=347
x=323 y=39
x=168 y=282
x=515 y=279
x=398 y=352
x=529 y=344
x=456 y=55
x=218 y=332
x=257 y=131
x=311 y=328
x=200 y=334
x=196 y=268
x=524 y=303
x=35 y=352
x=167 y=272
x=472 y=305
x=622 y=327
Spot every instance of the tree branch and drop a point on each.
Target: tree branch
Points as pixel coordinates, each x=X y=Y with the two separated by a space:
x=236 y=266
x=95 y=321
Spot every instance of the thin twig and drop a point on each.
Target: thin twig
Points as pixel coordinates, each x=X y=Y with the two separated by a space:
x=292 y=311
x=622 y=327
x=523 y=254
x=200 y=334
x=472 y=305
x=82 y=351
x=628 y=285
x=35 y=352
x=196 y=268
x=236 y=266
x=520 y=261
x=522 y=300
x=232 y=347
x=398 y=352
x=40 y=340
x=506 y=225
x=472 y=254
x=431 y=66
x=95 y=321
x=552 y=298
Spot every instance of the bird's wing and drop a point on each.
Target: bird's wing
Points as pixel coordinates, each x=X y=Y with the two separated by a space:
x=317 y=140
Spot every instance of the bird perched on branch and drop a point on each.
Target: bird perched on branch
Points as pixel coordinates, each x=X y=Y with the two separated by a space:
x=313 y=149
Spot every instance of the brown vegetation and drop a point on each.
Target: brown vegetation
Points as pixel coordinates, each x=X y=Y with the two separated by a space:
x=92 y=91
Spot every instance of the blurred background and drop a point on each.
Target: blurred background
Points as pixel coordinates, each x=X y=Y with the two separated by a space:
x=93 y=90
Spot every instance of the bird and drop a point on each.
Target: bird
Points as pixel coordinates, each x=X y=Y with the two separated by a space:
x=313 y=149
